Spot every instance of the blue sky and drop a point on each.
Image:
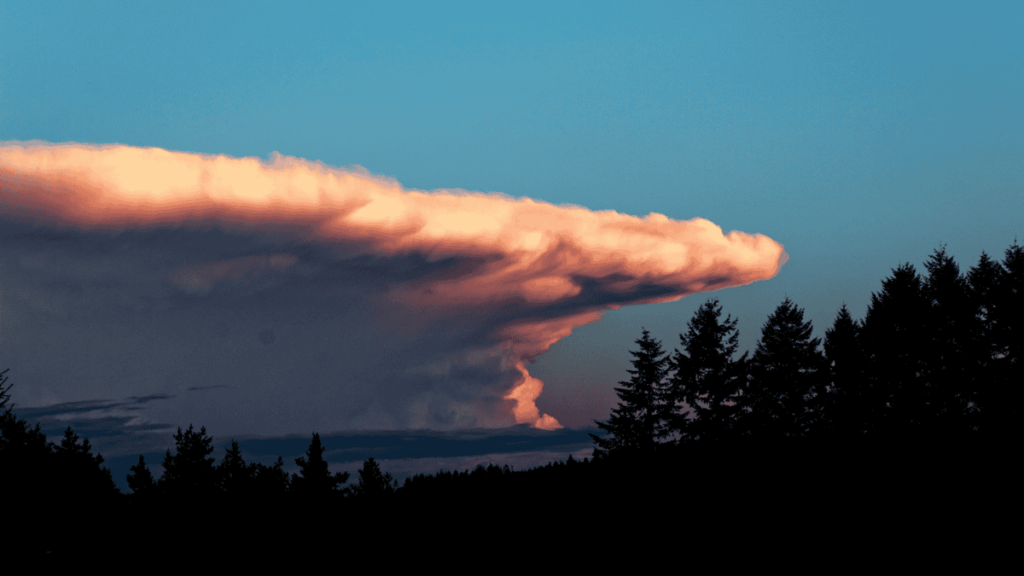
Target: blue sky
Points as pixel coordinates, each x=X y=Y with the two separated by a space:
x=859 y=135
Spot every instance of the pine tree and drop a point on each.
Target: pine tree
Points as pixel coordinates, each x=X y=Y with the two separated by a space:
x=234 y=477
x=983 y=285
x=141 y=480
x=894 y=341
x=314 y=478
x=269 y=480
x=954 y=349
x=638 y=422
x=787 y=376
x=17 y=440
x=190 y=472
x=706 y=378
x=22 y=448
x=373 y=484
x=83 y=474
x=1008 y=320
x=1012 y=309
x=844 y=403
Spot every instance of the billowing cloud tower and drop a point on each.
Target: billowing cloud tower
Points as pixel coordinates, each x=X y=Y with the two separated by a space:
x=379 y=306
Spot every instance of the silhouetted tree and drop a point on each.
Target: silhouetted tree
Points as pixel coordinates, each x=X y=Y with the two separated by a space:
x=270 y=480
x=373 y=484
x=1011 y=308
x=1008 y=326
x=787 y=374
x=190 y=472
x=23 y=449
x=844 y=403
x=706 y=378
x=894 y=340
x=314 y=478
x=636 y=425
x=983 y=285
x=84 y=474
x=953 y=351
x=141 y=481
x=234 y=477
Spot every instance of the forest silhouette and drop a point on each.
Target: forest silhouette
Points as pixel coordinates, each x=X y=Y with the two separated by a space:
x=912 y=408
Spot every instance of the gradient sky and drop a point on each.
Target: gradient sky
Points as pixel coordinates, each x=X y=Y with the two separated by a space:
x=858 y=135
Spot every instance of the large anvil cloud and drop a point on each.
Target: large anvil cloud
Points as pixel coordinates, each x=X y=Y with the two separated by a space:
x=287 y=289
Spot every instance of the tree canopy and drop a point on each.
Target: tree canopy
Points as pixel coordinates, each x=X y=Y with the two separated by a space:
x=639 y=421
x=706 y=380
x=314 y=478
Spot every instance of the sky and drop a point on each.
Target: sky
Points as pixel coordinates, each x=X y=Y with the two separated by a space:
x=455 y=218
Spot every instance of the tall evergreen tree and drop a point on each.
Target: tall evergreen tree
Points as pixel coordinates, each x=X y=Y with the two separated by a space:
x=373 y=484
x=954 y=349
x=788 y=373
x=983 y=284
x=894 y=340
x=706 y=379
x=1011 y=306
x=141 y=481
x=637 y=424
x=844 y=403
x=234 y=477
x=22 y=448
x=1009 y=323
x=269 y=480
x=83 y=474
x=314 y=479
x=190 y=472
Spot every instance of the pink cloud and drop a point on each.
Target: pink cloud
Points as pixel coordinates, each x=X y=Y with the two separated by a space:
x=535 y=270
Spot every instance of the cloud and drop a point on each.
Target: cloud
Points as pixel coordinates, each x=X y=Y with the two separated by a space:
x=382 y=306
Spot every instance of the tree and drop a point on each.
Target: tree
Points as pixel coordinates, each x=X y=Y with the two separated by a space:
x=190 y=472
x=141 y=479
x=844 y=403
x=372 y=483
x=706 y=379
x=894 y=340
x=954 y=351
x=21 y=448
x=1002 y=401
x=636 y=425
x=787 y=376
x=269 y=480
x=234 y=477
x=314 y=478
x=83 y=474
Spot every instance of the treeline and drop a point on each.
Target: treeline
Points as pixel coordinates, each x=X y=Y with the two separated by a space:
x=918 y=400
x=936 y=359
x=71 y=506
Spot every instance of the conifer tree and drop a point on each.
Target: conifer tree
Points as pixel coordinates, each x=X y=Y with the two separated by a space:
x=1011 y=308
x=314 y=478
x=373 y=484
x=83 y=474
x=787 y=374
x=234 y=477
x=954 y=349
x=269 y=480
x=141 y=480
x=636 y=425
x=21 y=447
x=706 y=378
x=190 y=472
x=1009 y=325
x=844 y=403
x=894 y=341
x=983 y=285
